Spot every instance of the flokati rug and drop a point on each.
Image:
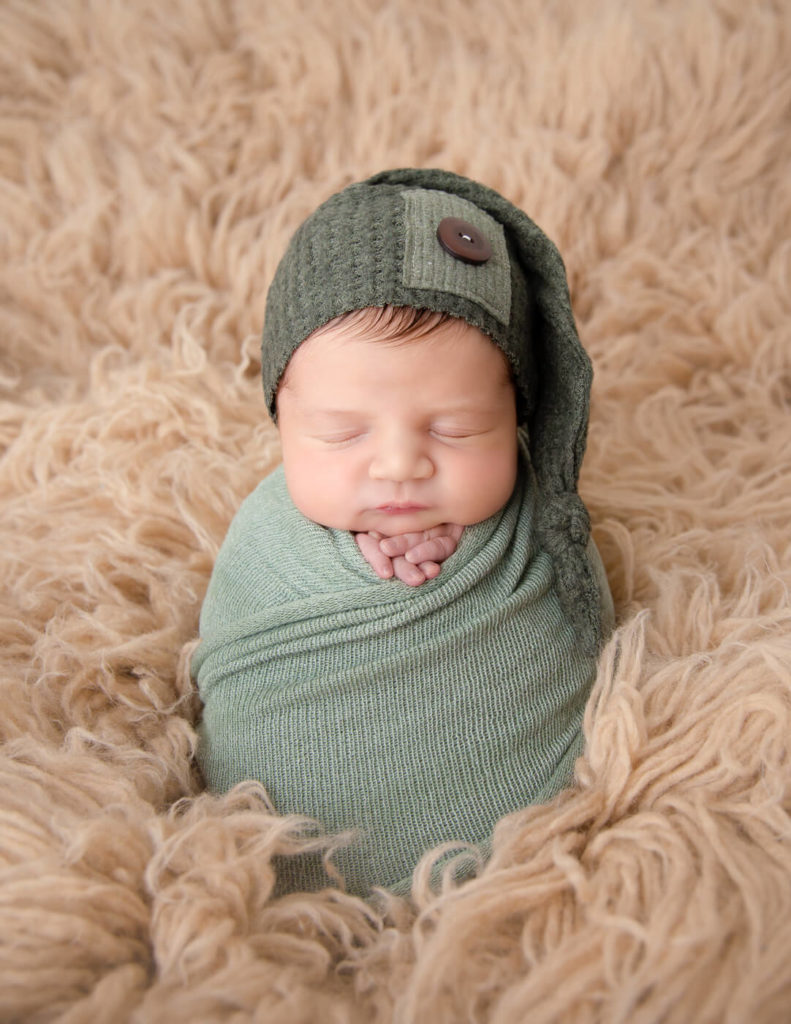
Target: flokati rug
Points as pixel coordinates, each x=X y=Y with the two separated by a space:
x=154 y=160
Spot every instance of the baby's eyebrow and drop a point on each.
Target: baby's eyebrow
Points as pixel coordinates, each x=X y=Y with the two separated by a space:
x=467 y=405
x=328 y=412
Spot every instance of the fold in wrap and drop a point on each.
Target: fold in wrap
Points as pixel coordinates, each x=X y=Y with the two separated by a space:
x=414 y=716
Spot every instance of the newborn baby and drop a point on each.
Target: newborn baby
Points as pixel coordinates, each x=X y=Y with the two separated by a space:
x=401 y=630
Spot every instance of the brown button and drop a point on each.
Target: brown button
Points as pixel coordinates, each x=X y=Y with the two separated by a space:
x=463 y=241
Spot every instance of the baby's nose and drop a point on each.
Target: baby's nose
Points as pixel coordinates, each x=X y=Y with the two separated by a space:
x=400 y=460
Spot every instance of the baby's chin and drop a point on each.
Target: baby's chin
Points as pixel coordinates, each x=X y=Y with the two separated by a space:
x=397 y=523
x=393 y=522
x=393 y=525
x=389 y=524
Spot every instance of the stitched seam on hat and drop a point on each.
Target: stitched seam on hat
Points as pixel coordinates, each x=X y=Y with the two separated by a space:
x=428 y=266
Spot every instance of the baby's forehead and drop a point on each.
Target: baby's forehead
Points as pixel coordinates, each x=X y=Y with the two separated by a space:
x=447 y=363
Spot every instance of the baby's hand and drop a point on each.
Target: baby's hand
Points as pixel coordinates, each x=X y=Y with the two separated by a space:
x=412 y=557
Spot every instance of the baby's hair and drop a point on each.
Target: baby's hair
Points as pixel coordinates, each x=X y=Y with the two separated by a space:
x=390 y=323
x=394 y=324
x=387 y=324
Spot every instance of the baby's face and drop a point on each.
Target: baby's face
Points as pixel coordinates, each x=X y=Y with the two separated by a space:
x=398 y=437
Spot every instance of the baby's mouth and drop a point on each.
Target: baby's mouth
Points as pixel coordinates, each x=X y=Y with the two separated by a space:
x=400 y=508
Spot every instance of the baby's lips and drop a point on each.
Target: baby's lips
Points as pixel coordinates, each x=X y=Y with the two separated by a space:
x=396 y=507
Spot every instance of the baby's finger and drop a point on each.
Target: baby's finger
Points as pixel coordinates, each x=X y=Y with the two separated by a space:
x=401 y=543
x=412 y=575
x=435 y=550
x=374 y=556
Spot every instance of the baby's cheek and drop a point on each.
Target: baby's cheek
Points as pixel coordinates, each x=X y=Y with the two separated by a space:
x=304 y=486
x=323 y=490
x=490 y=483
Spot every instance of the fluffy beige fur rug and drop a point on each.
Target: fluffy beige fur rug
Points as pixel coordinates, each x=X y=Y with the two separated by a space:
x=155 y=157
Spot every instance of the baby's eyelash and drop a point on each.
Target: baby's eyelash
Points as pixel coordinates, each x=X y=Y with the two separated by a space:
x=455 y=433
x=340 y=439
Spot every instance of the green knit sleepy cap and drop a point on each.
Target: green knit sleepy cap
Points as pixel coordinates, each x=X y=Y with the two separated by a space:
x=434 y=240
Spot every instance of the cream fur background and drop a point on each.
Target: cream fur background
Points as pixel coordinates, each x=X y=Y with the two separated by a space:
x=155 y=157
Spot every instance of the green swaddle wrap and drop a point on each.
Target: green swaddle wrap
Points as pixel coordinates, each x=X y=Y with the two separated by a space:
x=411 y=715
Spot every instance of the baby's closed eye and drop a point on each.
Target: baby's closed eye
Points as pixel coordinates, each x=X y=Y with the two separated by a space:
x=340 y=438
x=458 y=431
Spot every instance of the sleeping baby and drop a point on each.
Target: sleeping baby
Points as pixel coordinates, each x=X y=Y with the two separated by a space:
x=401 y=630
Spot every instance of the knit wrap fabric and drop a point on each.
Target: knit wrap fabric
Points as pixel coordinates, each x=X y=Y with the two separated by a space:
x=413 y=716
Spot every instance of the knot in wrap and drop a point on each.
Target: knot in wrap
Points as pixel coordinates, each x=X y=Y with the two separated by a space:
x=565 y=515
x=564 y=529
